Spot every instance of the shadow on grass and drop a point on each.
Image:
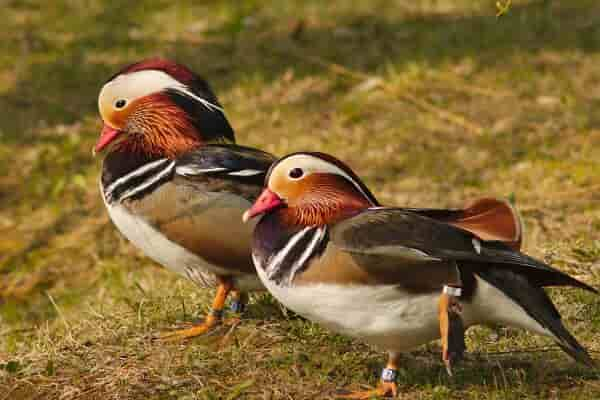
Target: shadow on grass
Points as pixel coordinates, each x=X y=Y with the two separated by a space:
x=57 y=81
x=527 y=373
x=64 y=89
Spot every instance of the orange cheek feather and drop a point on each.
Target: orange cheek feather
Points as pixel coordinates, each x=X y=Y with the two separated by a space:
x=321 y=199
x=159 y=127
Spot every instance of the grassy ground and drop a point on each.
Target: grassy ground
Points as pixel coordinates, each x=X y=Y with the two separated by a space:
x=79 y=306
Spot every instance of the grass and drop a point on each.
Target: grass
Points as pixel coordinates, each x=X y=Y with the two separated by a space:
x=79 y=306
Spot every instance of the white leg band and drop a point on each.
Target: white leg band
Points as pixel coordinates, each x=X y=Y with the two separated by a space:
x=452 y=291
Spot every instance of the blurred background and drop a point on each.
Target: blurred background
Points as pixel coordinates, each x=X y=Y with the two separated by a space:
x=432 y=102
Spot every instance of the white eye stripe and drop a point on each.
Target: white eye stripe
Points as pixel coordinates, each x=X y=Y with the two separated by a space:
x=143 y=83
x=311 y=164
x=183 y=89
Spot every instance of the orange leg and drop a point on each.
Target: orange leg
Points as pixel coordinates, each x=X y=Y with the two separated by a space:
x=444 y=324
x=451 y=330
x=213 y=319
x=387 y=387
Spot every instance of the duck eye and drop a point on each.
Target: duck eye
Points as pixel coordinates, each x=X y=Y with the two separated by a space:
x=120 y=103
x=296 y=173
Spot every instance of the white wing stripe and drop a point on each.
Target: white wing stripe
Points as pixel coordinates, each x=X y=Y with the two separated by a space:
x=143 y=83
x=192 y=170
x=246 y=172
x=476 y=245
x=394 y=251
x=188 y=170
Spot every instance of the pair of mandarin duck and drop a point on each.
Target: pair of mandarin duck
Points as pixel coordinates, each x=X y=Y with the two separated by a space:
x=178 y=187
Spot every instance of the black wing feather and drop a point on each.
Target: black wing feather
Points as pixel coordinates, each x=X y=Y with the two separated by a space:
x=536 y=303
x=394 y=228
x=226 y=161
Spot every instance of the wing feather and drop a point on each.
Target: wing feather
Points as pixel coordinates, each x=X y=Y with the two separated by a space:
x=232 y=162
x=404 y=237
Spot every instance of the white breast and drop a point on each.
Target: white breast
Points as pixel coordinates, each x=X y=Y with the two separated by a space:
x=389 y=317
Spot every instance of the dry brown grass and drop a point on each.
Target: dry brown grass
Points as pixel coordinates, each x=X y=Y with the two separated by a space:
x=79 y=307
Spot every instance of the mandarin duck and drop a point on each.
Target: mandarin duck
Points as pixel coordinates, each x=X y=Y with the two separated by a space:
x=328 y=251
x=175 y=183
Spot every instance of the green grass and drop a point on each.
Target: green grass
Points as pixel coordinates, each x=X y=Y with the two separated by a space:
x=79 y=307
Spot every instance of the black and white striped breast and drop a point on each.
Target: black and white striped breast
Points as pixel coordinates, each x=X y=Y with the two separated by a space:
x=138 y=182
x=284 y=255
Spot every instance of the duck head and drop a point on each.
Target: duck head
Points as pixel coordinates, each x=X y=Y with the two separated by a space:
x=160 y=108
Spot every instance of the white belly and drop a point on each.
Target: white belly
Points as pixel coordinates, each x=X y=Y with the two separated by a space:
x=160 y=249
x=171 y=255
x=390 y=318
